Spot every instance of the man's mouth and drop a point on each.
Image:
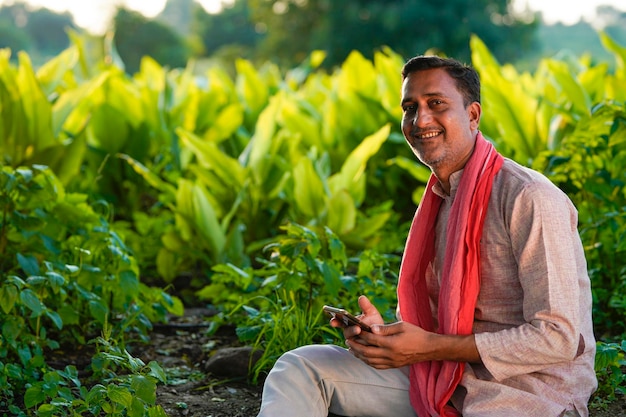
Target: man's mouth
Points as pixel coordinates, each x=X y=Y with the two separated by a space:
x=426 y=135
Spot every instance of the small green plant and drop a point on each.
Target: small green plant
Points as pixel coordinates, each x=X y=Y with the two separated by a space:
x=610 y=369
x=125 y=386
x=281 y=326
x=314 y=265
x=278 y=306
x=65 y=276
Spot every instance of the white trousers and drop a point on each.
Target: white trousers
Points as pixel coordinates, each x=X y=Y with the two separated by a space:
x=312 y=381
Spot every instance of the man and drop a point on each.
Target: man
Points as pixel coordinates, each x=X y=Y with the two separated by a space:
x=494 y=301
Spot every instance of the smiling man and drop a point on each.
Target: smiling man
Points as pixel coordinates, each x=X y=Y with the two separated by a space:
x=494 y=301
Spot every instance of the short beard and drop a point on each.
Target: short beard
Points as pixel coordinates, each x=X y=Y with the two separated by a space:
x=432 y=164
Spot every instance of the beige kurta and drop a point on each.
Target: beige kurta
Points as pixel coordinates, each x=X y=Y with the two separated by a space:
x=533 y=316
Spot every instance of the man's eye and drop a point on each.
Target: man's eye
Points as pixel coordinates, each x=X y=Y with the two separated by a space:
x=436 y=102
x=409 y=108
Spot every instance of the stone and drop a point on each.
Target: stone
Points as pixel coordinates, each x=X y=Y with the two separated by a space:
x=232 y=362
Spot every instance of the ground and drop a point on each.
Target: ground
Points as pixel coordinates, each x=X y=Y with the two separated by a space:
x=230 y=400
x=183 y=348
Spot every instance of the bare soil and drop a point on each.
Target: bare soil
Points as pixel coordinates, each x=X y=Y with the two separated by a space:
x=183 y=348
x=229 y=400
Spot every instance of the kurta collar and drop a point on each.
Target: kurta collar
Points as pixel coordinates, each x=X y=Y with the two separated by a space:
x=455 y=179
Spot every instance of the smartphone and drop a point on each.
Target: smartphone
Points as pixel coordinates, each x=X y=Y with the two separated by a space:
x=345 y=317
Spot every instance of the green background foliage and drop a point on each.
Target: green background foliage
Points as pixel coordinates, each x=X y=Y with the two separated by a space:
x=131 y=189
x=287 y=31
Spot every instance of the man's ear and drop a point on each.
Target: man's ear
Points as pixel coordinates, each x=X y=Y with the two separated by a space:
x=474 y=112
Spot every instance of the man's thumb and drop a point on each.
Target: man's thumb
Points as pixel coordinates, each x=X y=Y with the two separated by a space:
x=366 y=305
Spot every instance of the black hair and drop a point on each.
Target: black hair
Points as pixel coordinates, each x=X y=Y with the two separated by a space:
x=466 y=77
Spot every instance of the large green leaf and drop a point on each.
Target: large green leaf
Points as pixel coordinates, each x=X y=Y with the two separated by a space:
x=417 y=170
x=351 y=176
x=578 y=100
x=619 y=53
x=297 y=118
x=25 y=116
x=66 y=159
x=55 y=318
x=387 y=64
x=509 y=111
x=144 y=388
x=371 y=226
x=309 y=192
x=185 y=210
x=28 y=263
x=71 y=110
x=156 y=371
x=341 y=212
x=37 y=109
x=99 y=311
x=34 y=395
x=152 y=179
x=594 y=82
x=196 y=216
x=54 y=75
x=166 y=264
x=32 y=302
x=120 y=395
x=258 y=150
x=207 y=222
x=228 y=120
x=228 y=170
x=251 y=88
x=12 y=328
x=7 y=96
x=108 y=130
x=8 y=297
x=125 y=97
x=357 y=74
x=615 y=85
x=129 y=284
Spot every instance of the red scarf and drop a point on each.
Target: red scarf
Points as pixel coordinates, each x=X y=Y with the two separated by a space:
x=433 y=382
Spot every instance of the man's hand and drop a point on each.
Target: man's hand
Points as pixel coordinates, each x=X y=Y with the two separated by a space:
x=370 y=316
x=402 y=343
x=394 y=345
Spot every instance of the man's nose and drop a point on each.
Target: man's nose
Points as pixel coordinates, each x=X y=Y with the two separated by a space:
x=422 y=118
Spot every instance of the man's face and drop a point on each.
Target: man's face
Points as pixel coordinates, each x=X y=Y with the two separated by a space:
x=439 y=128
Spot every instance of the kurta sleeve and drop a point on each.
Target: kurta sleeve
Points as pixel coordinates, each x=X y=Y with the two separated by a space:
x=549 y=259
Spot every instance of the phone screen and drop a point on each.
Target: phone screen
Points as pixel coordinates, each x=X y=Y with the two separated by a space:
x=345 y=317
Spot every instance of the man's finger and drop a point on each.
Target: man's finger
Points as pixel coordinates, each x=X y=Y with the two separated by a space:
x=387 y=329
